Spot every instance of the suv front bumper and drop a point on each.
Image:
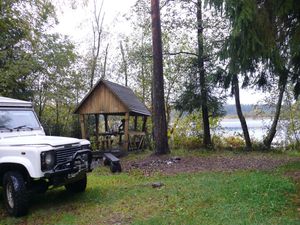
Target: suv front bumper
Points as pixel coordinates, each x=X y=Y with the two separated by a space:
x=73 y=167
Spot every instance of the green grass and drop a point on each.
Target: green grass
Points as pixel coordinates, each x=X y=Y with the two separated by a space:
x=243 y=197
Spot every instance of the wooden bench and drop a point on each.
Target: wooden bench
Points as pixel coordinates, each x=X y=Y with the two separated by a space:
x=111 y=157
x=113 y=162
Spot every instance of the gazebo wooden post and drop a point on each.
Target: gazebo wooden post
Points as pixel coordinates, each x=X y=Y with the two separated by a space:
x=106 y=122
x=126 y=132
x=82 y=126
x=97 y=130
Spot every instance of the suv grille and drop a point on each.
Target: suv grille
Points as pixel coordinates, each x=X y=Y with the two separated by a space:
x=66 y=153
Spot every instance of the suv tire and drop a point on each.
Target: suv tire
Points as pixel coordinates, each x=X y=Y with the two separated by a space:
x=77 y=186
x=16 y=196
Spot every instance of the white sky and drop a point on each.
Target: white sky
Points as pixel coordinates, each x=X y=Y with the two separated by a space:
x=76 y=23
x=248 y=97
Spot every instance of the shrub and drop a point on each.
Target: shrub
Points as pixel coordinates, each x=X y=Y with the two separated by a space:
x=186 y=142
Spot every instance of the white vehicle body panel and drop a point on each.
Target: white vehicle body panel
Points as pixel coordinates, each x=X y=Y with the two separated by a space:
x=37 y=140
x=24 y=146
x=26 y=150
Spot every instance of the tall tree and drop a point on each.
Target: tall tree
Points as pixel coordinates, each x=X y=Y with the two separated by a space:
x=236 y=92
x=180 y=51
x=139 y=54
x=124 y=64
x=138 y=50
x=198 y=93
x=21 y=25
x=257 y=39
x=284 y=21
x=159 y=116
x=56 y=82
x=273 y=129
x=96 y=65
x=202 y=79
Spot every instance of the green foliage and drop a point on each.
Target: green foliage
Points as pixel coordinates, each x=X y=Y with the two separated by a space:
x=260 y=48
x=21 y=24
x=290 y=121
x=39 y=66
x=58 y=86
x=187 y=131
x=138 y=51
x=58 y=120
x=262 y=35
x=190 y=95
x=233 y=142
x=180 y=53
x=193 y=142
x=190 y=98
x=189 y=125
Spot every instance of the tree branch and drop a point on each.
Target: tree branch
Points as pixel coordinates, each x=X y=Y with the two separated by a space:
x=181 y=52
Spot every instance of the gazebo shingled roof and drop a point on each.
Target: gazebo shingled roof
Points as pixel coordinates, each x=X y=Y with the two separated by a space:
x=124 y=94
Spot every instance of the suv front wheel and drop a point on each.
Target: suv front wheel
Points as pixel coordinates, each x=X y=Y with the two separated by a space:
x=15 y=193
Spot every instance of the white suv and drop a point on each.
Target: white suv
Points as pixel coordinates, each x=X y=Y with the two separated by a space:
x=32 y=162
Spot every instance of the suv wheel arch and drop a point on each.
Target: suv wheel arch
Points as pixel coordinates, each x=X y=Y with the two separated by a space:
x=6 y=167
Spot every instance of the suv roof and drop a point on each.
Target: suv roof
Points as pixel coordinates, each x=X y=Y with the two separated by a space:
x=10 y=102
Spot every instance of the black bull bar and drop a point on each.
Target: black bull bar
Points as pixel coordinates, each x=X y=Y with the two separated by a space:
x=69 y=167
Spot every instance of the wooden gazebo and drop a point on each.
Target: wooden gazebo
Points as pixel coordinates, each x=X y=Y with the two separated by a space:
x=110 y=99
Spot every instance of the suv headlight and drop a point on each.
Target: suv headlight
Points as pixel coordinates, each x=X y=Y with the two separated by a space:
x=48 y=160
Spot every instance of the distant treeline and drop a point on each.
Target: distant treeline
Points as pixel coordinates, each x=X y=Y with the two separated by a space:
x=249 y=110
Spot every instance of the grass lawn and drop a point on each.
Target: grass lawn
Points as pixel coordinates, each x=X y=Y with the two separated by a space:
x=240 y=197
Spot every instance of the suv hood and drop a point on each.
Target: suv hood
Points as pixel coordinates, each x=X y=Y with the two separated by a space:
x=39 y=140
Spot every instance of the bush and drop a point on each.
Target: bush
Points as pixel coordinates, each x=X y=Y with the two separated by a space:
x=232 y=142
x=186 y=142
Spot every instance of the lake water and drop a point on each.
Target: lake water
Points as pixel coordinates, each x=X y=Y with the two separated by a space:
x=257 y=128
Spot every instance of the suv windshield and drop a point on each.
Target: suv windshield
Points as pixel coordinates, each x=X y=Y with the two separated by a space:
x=18 y=119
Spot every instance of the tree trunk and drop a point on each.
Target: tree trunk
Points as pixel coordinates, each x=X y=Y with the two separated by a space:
x=97 y=37
x=270 y=136
x=143 y=73
x=236 y=90
x=57 y=130
x=203 y=88
x=40 y=106
x=97 y=130
x=105 y=62
x=124 y=63
x=159 y=115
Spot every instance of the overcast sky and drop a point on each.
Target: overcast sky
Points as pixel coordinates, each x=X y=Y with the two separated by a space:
x=76 y=23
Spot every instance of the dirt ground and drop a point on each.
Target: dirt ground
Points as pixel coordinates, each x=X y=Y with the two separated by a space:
x=174 y=165
x=296 y=176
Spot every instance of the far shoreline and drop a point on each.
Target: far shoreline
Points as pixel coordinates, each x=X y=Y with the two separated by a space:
x=246 y=117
